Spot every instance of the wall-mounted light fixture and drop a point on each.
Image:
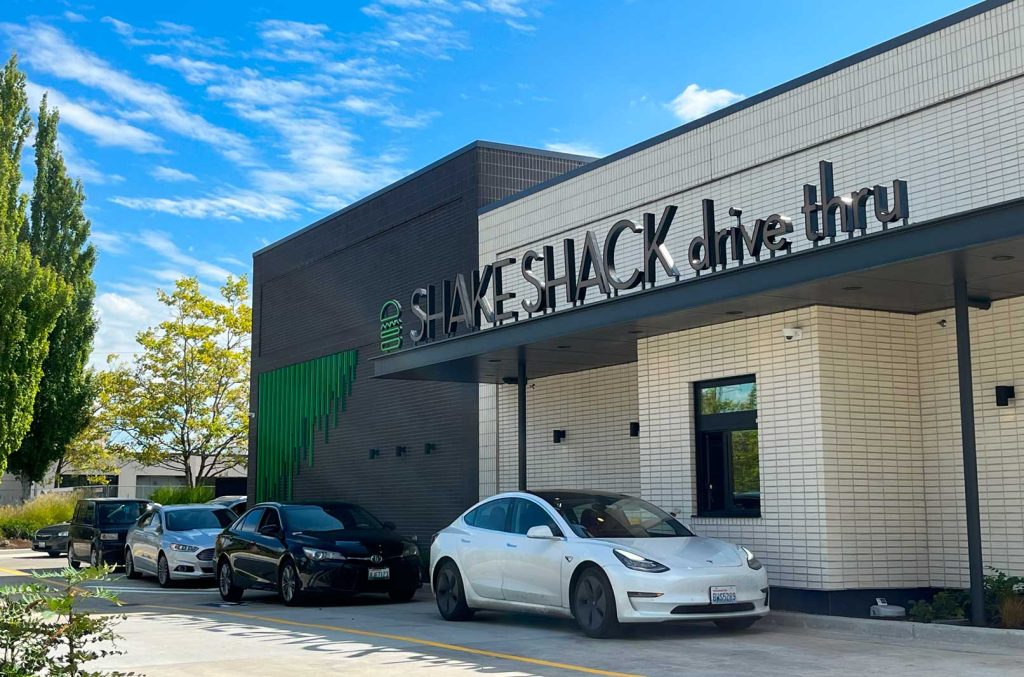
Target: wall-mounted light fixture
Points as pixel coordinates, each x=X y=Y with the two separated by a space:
x=374 y=453
x=400 y=451
x=429 y=448
x=1003 y=395
x=557 y=436
x=634 y=429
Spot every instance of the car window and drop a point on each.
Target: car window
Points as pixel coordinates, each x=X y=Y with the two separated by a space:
x=341 y=517
x=144 y=520
x=251 y=520
x=88 y=512
x=613 y=516
x=199 y=518
x=528 y=514
x=271 y=519
x=119 y=513
x=492 y=515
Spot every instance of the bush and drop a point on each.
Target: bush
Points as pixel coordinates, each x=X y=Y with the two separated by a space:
x=180 y=495
x=1011 y=612
x=22 y=521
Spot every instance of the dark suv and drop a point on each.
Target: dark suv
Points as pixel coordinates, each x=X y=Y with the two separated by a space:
x=97 y=531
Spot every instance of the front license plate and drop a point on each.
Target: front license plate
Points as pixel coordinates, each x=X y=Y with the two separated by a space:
x=378 y=574
x=40 y=544
x=723 y=594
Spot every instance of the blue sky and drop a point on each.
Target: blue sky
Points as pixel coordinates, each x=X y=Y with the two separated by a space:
x=205 y=130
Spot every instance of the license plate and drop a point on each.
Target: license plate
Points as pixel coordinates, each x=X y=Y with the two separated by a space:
x=723 y=594
x=40 y=544
x=378 y=574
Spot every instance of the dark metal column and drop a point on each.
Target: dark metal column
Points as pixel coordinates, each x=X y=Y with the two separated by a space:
x=521 y=413
x=970 y=451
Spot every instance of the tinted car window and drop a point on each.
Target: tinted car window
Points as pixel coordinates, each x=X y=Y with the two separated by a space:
x=144 y=520
x=119 y=513
x=251 y=520
x=88 y=512
x=610 y=516
x=492 y=515
x=271 y=519
x=184 y=520
x=528 y=514
x=329 y=518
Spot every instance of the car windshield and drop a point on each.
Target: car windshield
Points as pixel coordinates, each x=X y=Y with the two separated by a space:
x=302 y=518
x=604 y=516
x=200 y=518
x=119 y=513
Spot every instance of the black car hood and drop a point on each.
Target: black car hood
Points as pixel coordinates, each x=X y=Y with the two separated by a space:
x=361 y=543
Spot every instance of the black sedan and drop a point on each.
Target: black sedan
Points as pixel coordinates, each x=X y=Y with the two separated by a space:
x=299 y=550
x=53 y=540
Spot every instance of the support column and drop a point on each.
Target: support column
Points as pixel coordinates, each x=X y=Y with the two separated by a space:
x=521 y=420
x=970 y=450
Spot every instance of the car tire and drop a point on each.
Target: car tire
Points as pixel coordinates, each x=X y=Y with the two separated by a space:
x=94 y=557
x=53 y=554
x=229 y=592
x=402 y=594
x=450 y=594
x=289 y=585
x=163 y=572
x=72 y=562
x=593 y=605
x=129 y=565
x=736 y=624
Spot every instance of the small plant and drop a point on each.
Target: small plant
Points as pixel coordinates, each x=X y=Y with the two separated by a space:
x=22 y=521
x=1000 y=587
x=44 y=631
x=921 y=612
x=181 y=495
x=1011 y=612
x=949 y=604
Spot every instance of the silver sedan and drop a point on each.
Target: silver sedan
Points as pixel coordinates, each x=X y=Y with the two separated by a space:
x=175 y=542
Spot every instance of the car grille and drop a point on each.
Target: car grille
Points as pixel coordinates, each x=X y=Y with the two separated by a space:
x=205 y=555
x=713 y=608
x=42 y=537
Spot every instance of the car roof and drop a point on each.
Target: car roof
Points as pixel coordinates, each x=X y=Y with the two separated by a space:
x=575 y=493
x=116 y=500
x=299 y=504
x=191 y=506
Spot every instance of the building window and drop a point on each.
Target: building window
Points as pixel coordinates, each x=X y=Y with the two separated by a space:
x=728 y=468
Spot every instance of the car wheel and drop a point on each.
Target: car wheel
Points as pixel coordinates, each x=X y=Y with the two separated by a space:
x=450 y=594
x=593 y=605
x=53 y=554
x=163 y=572
x=229 y=592
x=402 y=594
x=94 y=556
x=289 y=584
x=129 y=566
x=737 y=624
x=72 y=562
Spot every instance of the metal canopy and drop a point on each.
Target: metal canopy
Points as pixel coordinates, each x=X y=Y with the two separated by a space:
x=909 y=269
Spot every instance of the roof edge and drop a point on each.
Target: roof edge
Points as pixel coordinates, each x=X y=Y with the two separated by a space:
x=834 y=67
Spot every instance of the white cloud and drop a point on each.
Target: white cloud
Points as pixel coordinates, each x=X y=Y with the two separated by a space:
x=123 y=313
x=279 y=30
x=74 y=17
x=108 y=243
x=230 y=261
x=170 y=174
x=388 y=112
x=105 y=130
x=575 y=148
x=520 y=26
x=695 y=102
x=83 y=168
x=162 y=244
x=226 y=204
x=195 y=71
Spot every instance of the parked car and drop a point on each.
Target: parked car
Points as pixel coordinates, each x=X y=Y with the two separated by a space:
x=237 y=504
x=175 y=542
x=601 y=558
x=53 y=540
x=98 y=527
x=299 y=550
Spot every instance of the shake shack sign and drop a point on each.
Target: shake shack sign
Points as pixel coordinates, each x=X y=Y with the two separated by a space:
x=481 y=298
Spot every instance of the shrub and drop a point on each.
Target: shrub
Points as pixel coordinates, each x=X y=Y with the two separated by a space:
x=21 y=521
x=921 y=612
x=999 y=587
x=1011 y=612
x=949 y=604
x=180 y=495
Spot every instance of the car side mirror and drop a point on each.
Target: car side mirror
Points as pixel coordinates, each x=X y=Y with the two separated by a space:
x=542 y=531
x=390 y=526
x=271 y=530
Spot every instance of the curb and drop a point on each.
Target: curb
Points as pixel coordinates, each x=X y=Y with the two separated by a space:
x=906 y=631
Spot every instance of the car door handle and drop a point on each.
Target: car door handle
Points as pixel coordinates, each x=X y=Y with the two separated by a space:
x=465 y=540
x=511 y=545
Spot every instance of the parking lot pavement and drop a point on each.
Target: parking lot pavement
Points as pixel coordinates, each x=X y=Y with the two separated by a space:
x=187 y=630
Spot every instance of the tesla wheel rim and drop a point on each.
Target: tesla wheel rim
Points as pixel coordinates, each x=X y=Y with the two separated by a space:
x=448 y=592
x=225 y=579
x=591 y=602
x=288 y=583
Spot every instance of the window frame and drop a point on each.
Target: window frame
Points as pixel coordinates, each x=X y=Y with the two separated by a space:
x=513 y=517
x=241 y=520
x=506 y=528
x=725 y=422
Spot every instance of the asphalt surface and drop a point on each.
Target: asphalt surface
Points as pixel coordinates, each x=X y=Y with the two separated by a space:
x=189 y=630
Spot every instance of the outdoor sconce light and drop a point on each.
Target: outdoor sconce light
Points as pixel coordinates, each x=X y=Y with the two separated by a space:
x=557 y=436
x=1003 y=395
x=374 y=453
x=400 y=451
x=634 y=429
x=428 y=448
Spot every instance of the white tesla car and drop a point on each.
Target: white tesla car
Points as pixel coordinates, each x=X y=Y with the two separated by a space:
x=601 y=558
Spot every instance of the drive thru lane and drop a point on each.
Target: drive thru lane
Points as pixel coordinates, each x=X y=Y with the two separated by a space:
x=373 y=636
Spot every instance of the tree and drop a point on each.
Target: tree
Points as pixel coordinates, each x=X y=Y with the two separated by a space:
x=183 y=402
x=32 y=296
x=58 y=234
x=88 y=453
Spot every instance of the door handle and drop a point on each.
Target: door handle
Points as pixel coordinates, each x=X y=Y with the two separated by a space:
x=511 y=545
x=465 y=540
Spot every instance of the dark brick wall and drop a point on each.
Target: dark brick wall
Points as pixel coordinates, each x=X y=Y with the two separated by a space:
x=320 y=292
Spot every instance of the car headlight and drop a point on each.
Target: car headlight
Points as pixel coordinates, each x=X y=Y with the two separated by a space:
x=62 y=534
x=318 y=555
x=752 y=562
x=637 y=563
x=410 y=549
x=181 y=547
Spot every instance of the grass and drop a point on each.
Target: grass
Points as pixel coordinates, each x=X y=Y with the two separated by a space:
x=22 y=521
x=1011 y=611
x=180 y=495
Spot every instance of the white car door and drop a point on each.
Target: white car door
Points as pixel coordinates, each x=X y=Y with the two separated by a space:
x=533 y=572
x=482 y=550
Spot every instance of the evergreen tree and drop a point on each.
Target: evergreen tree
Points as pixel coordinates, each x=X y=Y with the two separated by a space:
x=31 y=295
x=58 y=234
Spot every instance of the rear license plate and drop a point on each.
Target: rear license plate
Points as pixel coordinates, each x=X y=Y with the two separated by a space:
x=723 y=594
x=40 y=544
x=378 y=574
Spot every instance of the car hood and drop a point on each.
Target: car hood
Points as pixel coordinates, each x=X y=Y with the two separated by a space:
x=53 y=528
x=204 y=538
x=693 y=552
x=362 y=543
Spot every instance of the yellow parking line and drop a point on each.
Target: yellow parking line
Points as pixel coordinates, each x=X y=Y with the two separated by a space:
x=12 y=572
x=412 y=640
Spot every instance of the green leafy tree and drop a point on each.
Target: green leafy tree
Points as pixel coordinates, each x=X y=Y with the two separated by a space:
x=32 y=296
x=88 y=453
x=58 y=235
x=183 y=402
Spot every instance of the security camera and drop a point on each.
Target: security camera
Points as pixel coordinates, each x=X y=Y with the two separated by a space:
x=790 y=333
